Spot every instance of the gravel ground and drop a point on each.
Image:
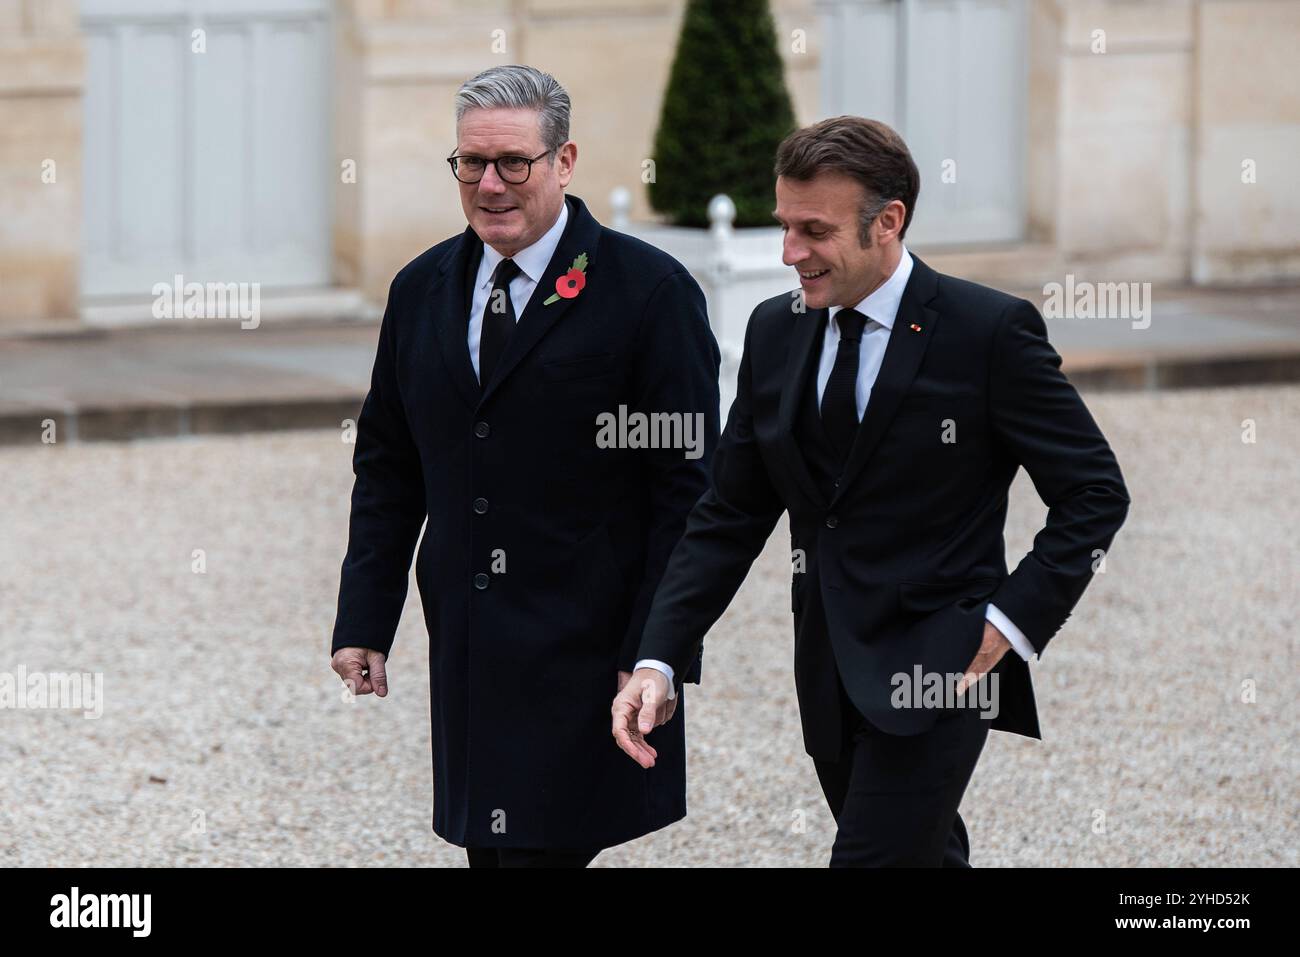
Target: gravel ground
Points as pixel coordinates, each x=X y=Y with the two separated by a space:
x=224 y=738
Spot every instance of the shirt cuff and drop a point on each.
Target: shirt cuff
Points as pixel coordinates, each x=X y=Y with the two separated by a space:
x=1013 y=634
x=665 y=669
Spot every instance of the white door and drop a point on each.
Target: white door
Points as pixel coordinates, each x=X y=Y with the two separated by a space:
x=950 y=76
x=207 y=146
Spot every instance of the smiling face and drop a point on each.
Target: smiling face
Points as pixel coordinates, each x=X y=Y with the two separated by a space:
x=821 y=221
x=509 y=216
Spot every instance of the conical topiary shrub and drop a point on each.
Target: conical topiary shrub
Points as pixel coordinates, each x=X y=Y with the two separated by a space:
x=725 y=112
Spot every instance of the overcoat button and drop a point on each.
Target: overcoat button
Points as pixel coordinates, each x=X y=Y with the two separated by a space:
x=831 y=521
x=480 y=506
x=481 y=429
x=480 y=581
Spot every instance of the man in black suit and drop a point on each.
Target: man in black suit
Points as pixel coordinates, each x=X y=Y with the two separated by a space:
x=503 y=355
x=887 y=408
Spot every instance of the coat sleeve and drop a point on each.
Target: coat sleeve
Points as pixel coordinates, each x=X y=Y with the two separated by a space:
x=725 y=532
x=675 y=370
x=388 y=506
x=1038 y=416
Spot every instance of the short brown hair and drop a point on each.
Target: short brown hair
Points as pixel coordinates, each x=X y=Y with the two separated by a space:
x=867 y=150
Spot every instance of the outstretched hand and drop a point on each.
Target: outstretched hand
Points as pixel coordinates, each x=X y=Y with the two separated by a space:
x=640 y=706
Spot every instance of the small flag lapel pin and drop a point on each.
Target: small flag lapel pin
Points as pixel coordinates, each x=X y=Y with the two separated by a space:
x=915 y=327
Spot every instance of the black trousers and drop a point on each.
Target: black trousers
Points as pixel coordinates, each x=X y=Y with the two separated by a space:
x=531 y=857
x=895 y=798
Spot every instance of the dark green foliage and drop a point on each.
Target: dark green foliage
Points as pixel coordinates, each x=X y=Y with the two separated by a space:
x=725 y=111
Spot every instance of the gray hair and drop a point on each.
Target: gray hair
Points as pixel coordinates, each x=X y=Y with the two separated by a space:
x=519 y=87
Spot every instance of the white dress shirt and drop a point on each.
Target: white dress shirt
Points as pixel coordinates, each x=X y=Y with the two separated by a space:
x=880 y=308
x=532 y=262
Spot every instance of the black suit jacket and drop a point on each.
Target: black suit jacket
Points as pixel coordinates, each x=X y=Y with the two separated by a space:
x=542 y=550
x=904 y=554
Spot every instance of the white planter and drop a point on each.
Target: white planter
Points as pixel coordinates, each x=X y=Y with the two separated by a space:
x=736 y=269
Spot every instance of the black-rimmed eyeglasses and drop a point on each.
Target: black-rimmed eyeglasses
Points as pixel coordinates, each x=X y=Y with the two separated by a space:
x=511 y=169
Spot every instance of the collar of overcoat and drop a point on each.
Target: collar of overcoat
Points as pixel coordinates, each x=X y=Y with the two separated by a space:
x=450 y=311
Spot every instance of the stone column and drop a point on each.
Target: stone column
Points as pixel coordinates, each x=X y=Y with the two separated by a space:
x=41 y=82
x=1247 y=96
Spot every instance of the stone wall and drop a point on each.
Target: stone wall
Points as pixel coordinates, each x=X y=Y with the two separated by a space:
x=1168 y=157
x=399 y=67
x=1246 y=110
x=41 y=73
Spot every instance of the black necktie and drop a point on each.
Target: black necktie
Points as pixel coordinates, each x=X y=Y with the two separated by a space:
x=498 y=320
x=839 y=400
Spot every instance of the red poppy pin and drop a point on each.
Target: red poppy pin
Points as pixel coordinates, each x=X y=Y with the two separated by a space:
x=915 y=327
x=570 y=284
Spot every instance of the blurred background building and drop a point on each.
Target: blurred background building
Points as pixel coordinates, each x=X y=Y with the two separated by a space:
x=300 y=143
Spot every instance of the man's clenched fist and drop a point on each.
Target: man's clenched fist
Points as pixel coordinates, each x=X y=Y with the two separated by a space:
x=362 y=670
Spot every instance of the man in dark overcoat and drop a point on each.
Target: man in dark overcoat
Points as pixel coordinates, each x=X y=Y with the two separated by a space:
x=544 y=400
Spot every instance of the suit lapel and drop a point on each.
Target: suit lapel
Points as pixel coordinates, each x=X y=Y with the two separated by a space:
x=799 y=361
x=581 y=235
x=903 y=354
x=450 y=312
